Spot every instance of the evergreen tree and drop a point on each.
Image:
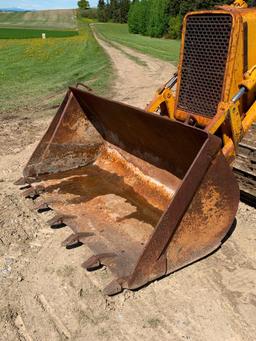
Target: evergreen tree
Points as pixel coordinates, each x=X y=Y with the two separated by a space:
x=133 y=17
x=174 y=7
x=107 y=10
x=113 y=10
x=138 y=16
x=158 y=18
x=83 y=4
x=124 y=10
x=193 y=5
x=102 y=11
x=144 y=13
x=174 y=31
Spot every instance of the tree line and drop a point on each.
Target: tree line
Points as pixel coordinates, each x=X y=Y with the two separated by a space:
x=107 y=10
x=154 y=18
x=113 y=10
x=158 y=18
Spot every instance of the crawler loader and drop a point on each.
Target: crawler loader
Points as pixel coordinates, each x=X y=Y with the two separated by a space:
x=152 y=191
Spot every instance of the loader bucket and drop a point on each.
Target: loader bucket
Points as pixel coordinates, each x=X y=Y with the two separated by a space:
x=147 y=195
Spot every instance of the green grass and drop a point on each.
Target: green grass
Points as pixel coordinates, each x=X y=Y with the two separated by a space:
x=52 y=19
x=165 y=49
x=25 y=33
x=34 y=71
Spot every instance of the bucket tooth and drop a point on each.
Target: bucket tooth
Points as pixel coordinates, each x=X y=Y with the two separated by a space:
x=25 y=181
x=42 y=207
x=76 y=239
x=113 y=288
x=31 y=193
x=96 y=261
x=21 y=182
x=59 y=220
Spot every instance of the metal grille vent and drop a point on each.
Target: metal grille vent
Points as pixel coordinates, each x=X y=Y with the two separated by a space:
x=205 y=56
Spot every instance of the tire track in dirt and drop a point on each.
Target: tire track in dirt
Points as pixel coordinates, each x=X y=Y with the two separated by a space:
x=134 y=83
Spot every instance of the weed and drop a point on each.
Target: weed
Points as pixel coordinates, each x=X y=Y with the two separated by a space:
x=153 y=322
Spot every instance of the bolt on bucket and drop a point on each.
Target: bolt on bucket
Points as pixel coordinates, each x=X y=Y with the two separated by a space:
x=147 y=195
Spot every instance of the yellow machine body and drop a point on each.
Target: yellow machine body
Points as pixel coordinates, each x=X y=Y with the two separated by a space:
x=231 y=120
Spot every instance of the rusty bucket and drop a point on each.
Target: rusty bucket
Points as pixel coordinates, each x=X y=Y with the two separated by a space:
x=147 y=195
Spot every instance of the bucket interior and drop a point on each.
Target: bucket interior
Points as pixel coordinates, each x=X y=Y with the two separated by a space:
x=121 y=194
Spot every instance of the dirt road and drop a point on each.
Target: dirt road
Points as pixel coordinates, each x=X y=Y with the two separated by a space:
x=46 y=295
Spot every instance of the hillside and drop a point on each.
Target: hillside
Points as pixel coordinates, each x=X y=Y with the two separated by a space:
x=61 y=19
x=33 y=71
x=13 y=9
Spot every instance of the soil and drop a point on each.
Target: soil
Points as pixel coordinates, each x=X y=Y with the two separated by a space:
x=46 y=295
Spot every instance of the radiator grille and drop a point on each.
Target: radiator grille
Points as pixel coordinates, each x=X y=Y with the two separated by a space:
x=205 y=56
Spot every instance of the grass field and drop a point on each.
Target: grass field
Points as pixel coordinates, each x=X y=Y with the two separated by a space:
x=33 y=71
x=52 y=19
x=25 y=33
x=165 y=49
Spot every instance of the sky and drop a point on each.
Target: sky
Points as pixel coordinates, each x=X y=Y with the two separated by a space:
x=44 y=4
